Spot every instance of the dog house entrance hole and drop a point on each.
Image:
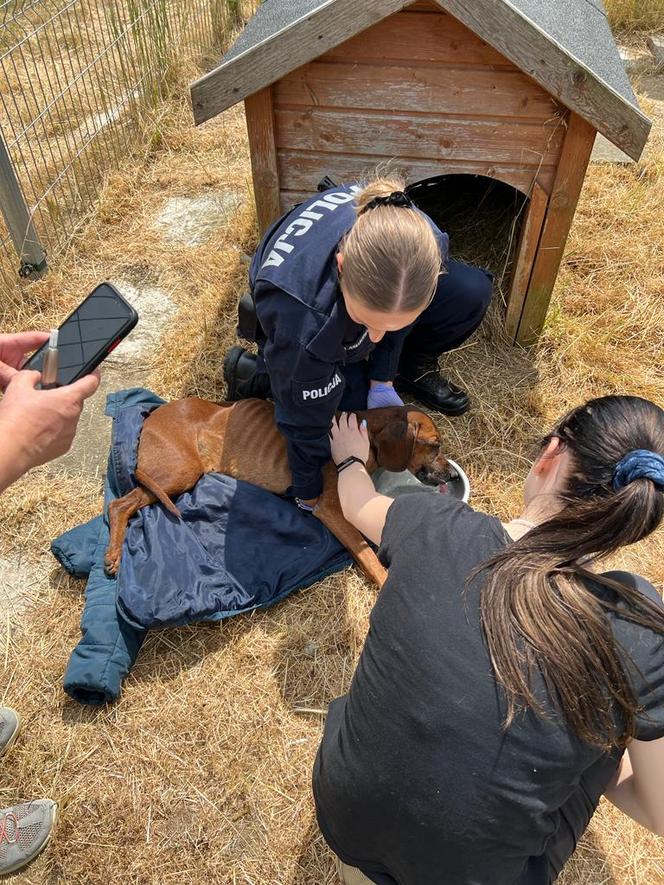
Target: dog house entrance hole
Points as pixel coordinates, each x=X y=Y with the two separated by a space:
x=482 y=216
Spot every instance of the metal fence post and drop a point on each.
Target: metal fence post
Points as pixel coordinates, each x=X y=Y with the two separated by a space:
x=18 y=220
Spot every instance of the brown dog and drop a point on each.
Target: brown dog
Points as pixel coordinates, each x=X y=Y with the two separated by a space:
x=185 y=439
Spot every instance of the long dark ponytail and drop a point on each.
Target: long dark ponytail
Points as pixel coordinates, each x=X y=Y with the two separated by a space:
x=538 y=608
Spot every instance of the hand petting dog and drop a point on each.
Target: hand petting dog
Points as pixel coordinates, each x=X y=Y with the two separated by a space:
x=349 y=438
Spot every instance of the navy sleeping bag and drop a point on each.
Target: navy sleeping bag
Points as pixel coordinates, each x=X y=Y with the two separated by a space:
x=236 y=548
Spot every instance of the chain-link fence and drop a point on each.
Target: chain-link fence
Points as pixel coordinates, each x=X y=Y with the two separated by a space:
x=75 y=79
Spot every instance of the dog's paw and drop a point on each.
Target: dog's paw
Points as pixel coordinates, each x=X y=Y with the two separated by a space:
x=377 y=574
x=111 y=564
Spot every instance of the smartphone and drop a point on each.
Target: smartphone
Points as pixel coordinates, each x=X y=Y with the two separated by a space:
x=89 y=334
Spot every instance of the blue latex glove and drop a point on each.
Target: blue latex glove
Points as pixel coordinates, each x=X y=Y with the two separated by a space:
x=382 y=395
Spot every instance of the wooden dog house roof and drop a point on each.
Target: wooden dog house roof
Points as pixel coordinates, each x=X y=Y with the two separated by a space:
x=564 y=45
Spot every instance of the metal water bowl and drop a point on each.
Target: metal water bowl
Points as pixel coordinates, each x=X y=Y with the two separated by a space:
x=395 y=484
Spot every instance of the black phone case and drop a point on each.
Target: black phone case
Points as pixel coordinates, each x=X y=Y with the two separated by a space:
x=107 y=346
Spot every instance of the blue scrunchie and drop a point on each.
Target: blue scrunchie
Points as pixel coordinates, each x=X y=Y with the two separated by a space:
x=639 y=464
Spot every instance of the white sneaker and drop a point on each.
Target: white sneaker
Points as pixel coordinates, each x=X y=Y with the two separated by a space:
x=24 y=831
x=10 y=725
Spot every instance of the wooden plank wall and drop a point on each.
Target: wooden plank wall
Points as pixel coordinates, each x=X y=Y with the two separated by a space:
x=531 y=232
x=423 y=91
x=260 y=129
x=563 y=200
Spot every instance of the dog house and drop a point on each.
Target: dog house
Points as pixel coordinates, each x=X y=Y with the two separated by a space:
x=513 y=91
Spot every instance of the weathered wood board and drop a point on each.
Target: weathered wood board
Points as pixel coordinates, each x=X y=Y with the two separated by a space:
x=262 y=143
x=560 y=214
x=523 y=266
x=425 y=137
x=424 y=89
x=300 y=171
x=414 y=37
x=318 y=32
x=421 y=93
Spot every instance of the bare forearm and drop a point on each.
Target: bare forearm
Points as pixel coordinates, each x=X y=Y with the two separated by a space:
x=362 y=506
x=13 y=460
x=638 y=789
x=355 y=489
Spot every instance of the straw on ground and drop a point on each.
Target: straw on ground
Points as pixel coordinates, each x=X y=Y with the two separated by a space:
x=201 y=772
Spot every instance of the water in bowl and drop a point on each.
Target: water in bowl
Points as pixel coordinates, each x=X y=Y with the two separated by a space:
x=403 y=483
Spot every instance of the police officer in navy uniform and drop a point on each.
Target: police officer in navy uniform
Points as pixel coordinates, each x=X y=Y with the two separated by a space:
x=355 y=299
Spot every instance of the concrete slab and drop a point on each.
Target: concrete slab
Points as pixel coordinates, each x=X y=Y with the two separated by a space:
x=89 y=454
x=155 y=309
x=19 y=584
x=632 y=58
x=651 y=85
x=192 y=221
x=647 y=81
x=605 y=152
x=656 y=47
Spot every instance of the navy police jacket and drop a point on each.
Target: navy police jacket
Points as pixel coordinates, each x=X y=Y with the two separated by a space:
x=307 y=335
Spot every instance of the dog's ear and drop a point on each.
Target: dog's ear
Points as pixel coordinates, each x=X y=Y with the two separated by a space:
x=394 y=445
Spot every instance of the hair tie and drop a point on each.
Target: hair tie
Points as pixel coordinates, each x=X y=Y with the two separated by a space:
x=639 y=464
x=397 y=198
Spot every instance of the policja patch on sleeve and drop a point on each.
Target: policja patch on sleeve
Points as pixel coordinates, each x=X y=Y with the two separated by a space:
x=313 y=391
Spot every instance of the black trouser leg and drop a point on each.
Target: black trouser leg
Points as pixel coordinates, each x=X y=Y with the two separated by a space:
x=459 y=306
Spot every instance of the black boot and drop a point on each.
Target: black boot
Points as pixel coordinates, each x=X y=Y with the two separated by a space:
x=421 y=378
x=242 y=379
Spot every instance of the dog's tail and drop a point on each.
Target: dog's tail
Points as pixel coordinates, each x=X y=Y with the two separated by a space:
x=147 y=481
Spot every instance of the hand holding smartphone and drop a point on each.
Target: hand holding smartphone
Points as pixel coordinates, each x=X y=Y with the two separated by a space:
x=87 y=336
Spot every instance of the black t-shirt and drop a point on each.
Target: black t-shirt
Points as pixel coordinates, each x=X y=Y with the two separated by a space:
x=416 y=781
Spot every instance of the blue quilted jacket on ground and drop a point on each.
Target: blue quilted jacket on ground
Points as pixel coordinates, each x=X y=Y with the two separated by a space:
x=236 y=548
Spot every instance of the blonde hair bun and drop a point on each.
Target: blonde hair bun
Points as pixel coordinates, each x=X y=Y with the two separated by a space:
x=392 y=258
x=378 y=187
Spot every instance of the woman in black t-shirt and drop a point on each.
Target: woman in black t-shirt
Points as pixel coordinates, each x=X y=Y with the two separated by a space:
x=505 y=684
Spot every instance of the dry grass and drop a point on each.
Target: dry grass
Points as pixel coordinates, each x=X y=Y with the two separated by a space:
x=200 y=773
x=631 y=16
x=81 y=85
